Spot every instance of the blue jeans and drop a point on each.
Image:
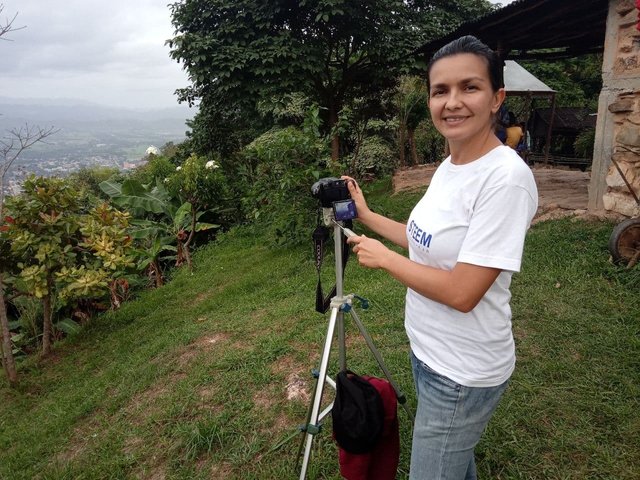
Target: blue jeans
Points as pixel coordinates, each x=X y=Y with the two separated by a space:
x=449 y=422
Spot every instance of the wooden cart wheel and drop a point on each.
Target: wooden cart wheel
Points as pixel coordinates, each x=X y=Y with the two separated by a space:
x=624 y=243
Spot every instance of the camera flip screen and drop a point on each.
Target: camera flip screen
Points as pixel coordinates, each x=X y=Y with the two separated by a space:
x=345 y=210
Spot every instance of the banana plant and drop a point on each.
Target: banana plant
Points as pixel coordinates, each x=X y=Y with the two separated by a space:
x=159 y=218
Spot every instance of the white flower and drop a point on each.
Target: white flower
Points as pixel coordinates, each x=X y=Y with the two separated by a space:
x=178 y=168
x=166 y=180
x=211 y=165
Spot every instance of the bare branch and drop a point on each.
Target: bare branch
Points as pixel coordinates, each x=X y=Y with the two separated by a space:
x=12 y=146
x=19 y=140
x=7 y=25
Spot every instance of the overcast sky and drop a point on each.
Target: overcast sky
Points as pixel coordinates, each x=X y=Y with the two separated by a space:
x=110 y=52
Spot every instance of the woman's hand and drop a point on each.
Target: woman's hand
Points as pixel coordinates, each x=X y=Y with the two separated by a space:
x=358 y=197
x=371 y=253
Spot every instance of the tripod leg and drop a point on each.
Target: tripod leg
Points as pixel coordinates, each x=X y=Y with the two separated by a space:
x=342 y=349
x=402 y=400
x=312 y=423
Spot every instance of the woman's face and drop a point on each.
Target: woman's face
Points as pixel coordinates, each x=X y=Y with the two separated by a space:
x=461 y=99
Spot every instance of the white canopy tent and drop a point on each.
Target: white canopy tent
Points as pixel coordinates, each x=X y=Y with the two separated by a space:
x=519 y=81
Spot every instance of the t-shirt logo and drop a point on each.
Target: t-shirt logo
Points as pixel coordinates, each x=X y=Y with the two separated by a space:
x=418 y=235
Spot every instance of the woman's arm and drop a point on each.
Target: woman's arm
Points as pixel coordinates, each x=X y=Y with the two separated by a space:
x=389 y=229
x=461 y=288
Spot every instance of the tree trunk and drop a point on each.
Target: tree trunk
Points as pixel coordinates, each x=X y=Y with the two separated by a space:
x=335 y=138
x=192 y=233
x=154 y=270
x=401 y=146
x=47 y=326
x=412 y=146
x=180 y=256
x=8 y=362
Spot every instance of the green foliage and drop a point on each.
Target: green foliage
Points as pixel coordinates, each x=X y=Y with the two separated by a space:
x=223 y=130
x=43 y=228
x=429 y=142
x=376 y=158
x=238 y=53
x=64 y=249
x=167 y=216
x=156 y=168
x=63 y=255
x=583 y=145
x=88 y=179
x=283 y=47
x=199 y=181
x=27 y=323
x=287 y=109
x=578 y=81
x=106 y=234
x=280 y=167
x=411 y=99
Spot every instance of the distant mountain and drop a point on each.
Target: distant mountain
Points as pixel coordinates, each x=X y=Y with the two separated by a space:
x=83 y=116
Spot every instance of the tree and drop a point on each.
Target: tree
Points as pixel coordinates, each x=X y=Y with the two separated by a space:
x=65 y=255
x=10 y=149
x=411 y=100
x=238 y=52
x=578 y=80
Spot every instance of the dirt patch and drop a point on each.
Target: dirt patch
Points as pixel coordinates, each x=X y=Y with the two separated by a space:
x=297 y=385
x=561 y=192
x=297 y=388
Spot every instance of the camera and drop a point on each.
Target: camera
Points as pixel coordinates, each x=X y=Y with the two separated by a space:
x=329 y=190
x=334 y=194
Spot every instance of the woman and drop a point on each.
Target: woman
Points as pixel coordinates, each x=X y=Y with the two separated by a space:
x=465 y=239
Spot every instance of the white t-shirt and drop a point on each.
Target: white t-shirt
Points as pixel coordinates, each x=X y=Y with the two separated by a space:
x=477 y=213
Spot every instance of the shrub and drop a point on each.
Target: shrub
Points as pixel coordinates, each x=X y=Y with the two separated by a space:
x=279 y=168
x=429 y=143
x=88 y=179
x=157 y=167
x=583 y=146
x=375 y=158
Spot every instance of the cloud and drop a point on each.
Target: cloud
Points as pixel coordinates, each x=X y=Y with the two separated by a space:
x=106 y=51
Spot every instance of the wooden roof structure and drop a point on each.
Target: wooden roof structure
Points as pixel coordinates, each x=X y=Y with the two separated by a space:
x=566 y=120
x=536 y=30
x=528 y=29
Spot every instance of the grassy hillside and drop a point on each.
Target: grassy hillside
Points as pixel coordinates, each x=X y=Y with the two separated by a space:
x=205 y=377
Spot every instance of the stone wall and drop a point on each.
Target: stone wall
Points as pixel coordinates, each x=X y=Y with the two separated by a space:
x=625 y=112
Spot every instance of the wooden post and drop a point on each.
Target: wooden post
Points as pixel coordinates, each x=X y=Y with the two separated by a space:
x=547 y=145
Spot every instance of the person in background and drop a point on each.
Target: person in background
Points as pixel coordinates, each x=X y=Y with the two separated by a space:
x=524 y=145
x=465 y=239
x=501 y=123
x=514 y=132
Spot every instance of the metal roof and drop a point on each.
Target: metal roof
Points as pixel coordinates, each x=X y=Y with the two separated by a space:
x=519 y=81
x=523 y=28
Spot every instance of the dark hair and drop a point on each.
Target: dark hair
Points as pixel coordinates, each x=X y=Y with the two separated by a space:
x=470 y=44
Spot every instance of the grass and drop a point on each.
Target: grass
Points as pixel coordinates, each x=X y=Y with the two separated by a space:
x=190 y=381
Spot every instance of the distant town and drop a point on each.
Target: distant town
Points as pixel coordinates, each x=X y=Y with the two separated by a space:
x=64 y=165
x=87 y=136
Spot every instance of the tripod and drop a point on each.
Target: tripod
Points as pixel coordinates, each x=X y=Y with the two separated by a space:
x=339 y=305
